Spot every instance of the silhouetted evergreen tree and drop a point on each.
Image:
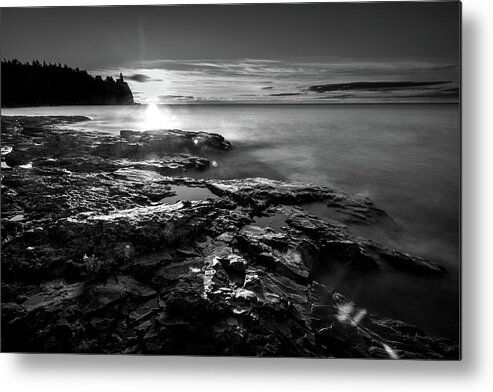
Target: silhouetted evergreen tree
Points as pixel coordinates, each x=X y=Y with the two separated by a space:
x=36 y=84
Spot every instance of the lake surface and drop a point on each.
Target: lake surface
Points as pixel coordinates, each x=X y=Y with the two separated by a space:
x=406 y=158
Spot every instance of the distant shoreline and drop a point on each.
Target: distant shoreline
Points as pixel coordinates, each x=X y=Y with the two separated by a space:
x=37 y=84
x=250 y=104
x=65 y=105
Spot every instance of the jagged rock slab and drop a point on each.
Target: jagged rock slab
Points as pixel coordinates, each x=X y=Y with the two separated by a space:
x=235 y=289
x=43 y=142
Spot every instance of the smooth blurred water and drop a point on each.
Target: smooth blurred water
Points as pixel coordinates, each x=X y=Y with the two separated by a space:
x=406 y=158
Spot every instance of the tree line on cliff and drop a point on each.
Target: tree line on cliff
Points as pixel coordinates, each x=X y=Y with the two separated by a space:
x=40 y=84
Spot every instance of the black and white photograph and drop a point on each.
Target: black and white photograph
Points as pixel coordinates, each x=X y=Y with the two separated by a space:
x=232 y=180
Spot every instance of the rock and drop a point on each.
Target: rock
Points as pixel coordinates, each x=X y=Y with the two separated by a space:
x=130 y=135
x=357 y=209
x=6 y=150
x=275 y=251
x=411 y=263
x=349 y=252
x=156 y=191
x=17 y=158
x=144 y=144
x=35 y=138
x=262 y=192
x=94 y=262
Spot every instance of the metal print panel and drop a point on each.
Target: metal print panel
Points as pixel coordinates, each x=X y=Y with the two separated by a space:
x=276 y=180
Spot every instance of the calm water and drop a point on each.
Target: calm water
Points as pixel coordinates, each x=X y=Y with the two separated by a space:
x=406 y=158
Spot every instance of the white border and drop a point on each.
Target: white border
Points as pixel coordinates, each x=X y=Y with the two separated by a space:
x=86 y=373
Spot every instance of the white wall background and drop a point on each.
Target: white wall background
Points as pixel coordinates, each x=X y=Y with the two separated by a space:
x=474 y=373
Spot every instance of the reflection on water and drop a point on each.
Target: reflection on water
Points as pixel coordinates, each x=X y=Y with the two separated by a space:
x=186 y=193
x=406 y=158
x=34 y=299
x=154 y=118
x=276 y=221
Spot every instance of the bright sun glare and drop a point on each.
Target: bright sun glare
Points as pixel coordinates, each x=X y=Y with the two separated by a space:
x=153 y=118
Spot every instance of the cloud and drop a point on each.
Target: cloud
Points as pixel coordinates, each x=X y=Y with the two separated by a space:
x=283 y=94
x=396 y=91
x=286 y=79
x=438 y=93
x=370 y=86
x=141 y=78
x=172 y=97
x=421 y=94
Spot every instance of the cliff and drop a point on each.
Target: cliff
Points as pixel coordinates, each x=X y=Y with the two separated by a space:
x=36 y=84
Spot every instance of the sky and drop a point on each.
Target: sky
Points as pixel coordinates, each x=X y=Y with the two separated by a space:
x=251 y=53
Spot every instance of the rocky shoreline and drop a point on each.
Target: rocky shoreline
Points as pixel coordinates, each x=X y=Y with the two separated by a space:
x=109 y=245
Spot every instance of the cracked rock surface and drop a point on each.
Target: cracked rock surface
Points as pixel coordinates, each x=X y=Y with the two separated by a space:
x=110 y=246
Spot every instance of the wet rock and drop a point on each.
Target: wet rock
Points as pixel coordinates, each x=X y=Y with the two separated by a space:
x=411 y=263
x=348 y=331
x=357 y=209
x=45 y=141
x=329 y=242
x=173 y=140
x=6 y=150
x=275 y=251
x=93 y=259
x=17 y=158
x=156 y=191
x=351 y=253
x=149 y=144
x=255 y=297
x=262 y=192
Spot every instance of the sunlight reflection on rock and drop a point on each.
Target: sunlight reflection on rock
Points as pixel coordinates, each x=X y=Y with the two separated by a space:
x=390 y=351
x=344 y=314
x=359 y=316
